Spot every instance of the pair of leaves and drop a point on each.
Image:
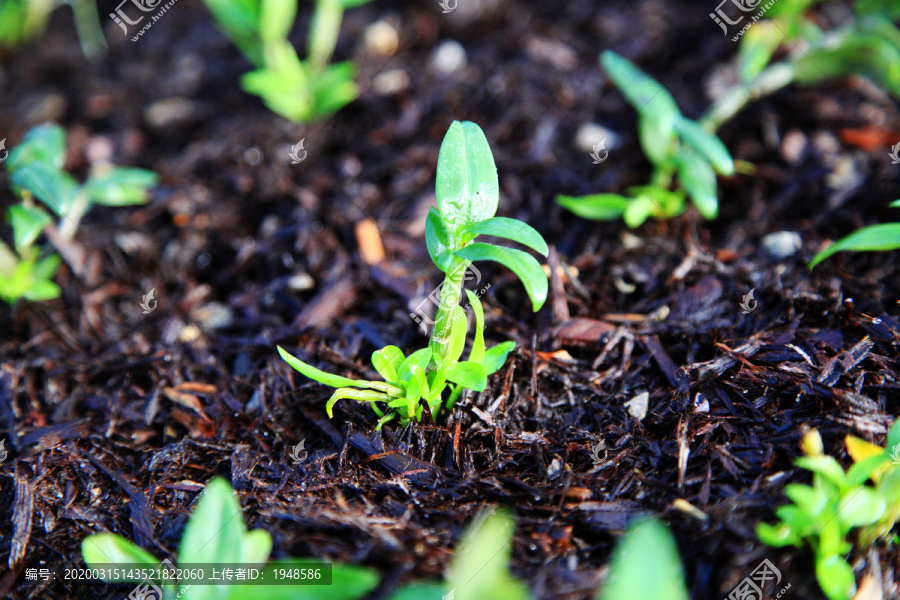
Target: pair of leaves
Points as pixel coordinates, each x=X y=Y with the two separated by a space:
x=468 y=193
x=216 y=534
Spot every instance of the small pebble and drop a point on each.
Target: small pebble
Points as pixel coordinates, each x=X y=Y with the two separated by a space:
x=214 y=315
x=792 y=146
x=381 y=38
x=390 y=82
x=449 y=57
x=782 y=244
x=552 y=51
x=170 y=111
x=301 y=282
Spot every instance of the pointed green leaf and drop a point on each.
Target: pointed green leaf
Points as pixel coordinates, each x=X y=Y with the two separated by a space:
x=638 y=210
x=468 y=190
x=777 y=535
x=109 y=548
x=55 y=188
x=216 y=528
x=809 y=499
x=349 y=583
x=495 y=357
x=458 y=326
x=865 y=468
x=352 y=394
x=479 y=569
x=276 y=19
x=438 y=240
x=707 y=144
x=524 y=265
x=256 y=547
x=885 y=236
x=826 y=466
x=597 y=207
x=419 y=358
x=477 y=353
x=644 y=93
x=511 y=229
x=835 y=577
x=120 y=186
x=318 y=375
x=699 y=180
x=860 y=506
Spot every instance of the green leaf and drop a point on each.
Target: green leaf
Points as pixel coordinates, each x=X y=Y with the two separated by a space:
x=860 y=506
x=387 y=362
x=598 y=207
x=418 y=591
x=120 y=186
x=216 y=528
x=329 y=379
x=797 y=518
x=895 y=204
x=757 y=47
x=526 y=268
x=480 y=566
x=468 y=190
x=811 y=500
x=495 y=357
x=855 y=54
x=893 y=436
x=438 y=240
x=777 y=535
x=109 y=548
x=826 y=466
x=646 y=565
x=835 y=577
x=42 y=144
x=656 y=132
x=40 y=290
x=477 y=353
x=644 y=93
x=511 y=229
x=358 y=395
x=239 y=19
x=699 y=180
x=332 y=88
x=864 y=469
x=638 y=210
x=468 y=374
x=419 y=358
x=349 y=583
x=885 y=236
x=276 y=19
x=27 y=223
x=707 y=144
x=57 y=189
x=458 y=326
x=256 y=547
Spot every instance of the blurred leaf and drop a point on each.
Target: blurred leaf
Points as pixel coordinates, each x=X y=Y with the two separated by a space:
x=216 y=528
x=644 y=93
x=349 y=583
x=108 y=549
x=707 y=144
x=240 y=20
x=418 y=591
x=826 y=466
x=638 y=210
x=45 y=143
x=467 y=186
x=27 y=223
x=645 y=565
x=856 y=54
x=835 y=577
x=599 y=207
x=526 y=268
x=757 y=47
x=657 y=136
x=777 y=535
x=55 y=188
x=807 y=498
x=120 y=186
x=885 y=236
x=699 y=180
x=276 y=17
x=860 y=506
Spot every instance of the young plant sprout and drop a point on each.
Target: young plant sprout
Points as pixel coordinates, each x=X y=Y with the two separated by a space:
x=467 y=194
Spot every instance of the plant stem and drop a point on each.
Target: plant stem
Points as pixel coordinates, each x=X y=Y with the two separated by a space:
x=87 y=23
x=443 y=322
x=772 y=79
x=324 y=30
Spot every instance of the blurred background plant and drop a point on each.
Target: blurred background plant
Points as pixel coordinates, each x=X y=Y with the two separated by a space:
x=23 y=20
x=36 y=175
x=298 y=90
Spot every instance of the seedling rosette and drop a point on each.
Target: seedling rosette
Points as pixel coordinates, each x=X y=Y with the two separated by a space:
x=468 y=193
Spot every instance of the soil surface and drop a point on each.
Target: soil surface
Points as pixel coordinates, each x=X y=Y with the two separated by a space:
x=116 y=419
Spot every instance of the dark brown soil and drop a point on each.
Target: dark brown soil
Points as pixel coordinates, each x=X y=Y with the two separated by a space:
x=116 y=419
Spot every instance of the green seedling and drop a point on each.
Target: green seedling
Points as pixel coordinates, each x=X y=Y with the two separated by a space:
x=645 y=565
x=37 y=176
x=467 y=195
x=676 y=146
x=480 y=565
x=838 y=502
x=298 y=90
x=216 y=534
x=881 y=237
x=23 y=20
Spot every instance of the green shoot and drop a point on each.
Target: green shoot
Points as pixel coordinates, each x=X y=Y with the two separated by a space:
x=216 y=535
x=467 y=195
x=298 y=90
x=885 y=236
x=838 y=502
x=23 y=20
x=36 y=172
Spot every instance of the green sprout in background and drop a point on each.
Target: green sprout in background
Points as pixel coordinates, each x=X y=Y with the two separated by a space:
x=869 y=46
x=468 y=193
x=37 y=176
x=216 y=534
x=838 y=502
x=23 y=20
x=298 y=90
